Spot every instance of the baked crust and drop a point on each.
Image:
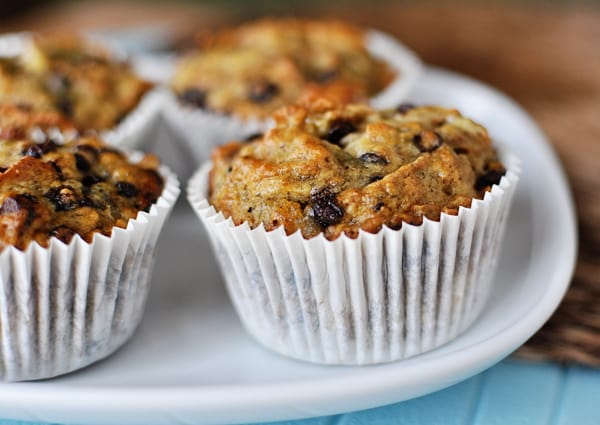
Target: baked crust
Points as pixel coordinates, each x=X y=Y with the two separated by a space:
x=59 y=188
x=258 y=67
x=80 y=80
x=338 y=169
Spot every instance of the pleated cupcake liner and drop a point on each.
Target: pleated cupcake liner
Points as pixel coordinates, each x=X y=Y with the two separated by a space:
x=199 y=131
x=70 y=305
x=377 y=298
x=196 y=131
x=132 y=132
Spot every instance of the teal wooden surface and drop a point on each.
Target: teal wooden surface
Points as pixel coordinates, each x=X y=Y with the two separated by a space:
x=519 y=394
x=510 y=393
x=580 y=401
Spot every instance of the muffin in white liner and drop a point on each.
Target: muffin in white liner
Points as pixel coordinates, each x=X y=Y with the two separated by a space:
x=187 y=122
x=133 y=130
x=69 y=305
x=377 y=298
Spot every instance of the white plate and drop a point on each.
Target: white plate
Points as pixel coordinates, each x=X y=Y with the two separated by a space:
x=191 y=361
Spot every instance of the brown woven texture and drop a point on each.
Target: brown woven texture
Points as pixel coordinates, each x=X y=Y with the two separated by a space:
x=548 y=59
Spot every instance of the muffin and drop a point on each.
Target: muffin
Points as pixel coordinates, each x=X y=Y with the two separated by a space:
x=252 y=70
x=348 y=235
x=83 y=81
x=79 y=222
x=240 y=76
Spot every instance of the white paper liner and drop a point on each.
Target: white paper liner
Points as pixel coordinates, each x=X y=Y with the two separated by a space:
x=132 y=131
x=69 y=305
x=378 y=298
x=201 y=131
x=407 y=65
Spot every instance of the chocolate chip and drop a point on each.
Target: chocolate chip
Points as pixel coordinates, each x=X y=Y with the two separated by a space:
x=90 y=180
x=88 y=148
x=324 y=209
x=428 y=141
x=65 y=198
x=65 y=106
x=403 y=108
x=63 y=233
x=82 y=163
x=325 y=76
x=250 y=209
x=373 y=158
x=126 y=189
x=48 y=146
x=58 y=170
x=252 y=137
x=194 y=97
x=34 y=151
x=374 y=179
x=378 y=206
x=262 y=92
x=3 y=169
x=338 y=130
x=488 y=179
x=460 y=151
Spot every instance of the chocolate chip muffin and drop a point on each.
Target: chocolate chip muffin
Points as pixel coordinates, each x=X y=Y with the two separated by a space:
x=337 y=170
x=340 y=233
x=52 y=187
x=250 y=71
x=79 y=225
x=66 y=74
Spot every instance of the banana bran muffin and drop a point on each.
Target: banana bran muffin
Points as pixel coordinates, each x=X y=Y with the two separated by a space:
x=59 y=188
x=64 y=73
x=335 y=170
x=251 y=70
x=66 y=305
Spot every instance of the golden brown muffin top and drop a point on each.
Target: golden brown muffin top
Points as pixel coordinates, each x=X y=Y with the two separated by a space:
x=18 y=121
x=80 y=187
x=336 y=170
x=80 y=80
x=258 y=67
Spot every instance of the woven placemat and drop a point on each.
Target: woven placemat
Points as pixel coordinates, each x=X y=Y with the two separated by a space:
x=573 y=333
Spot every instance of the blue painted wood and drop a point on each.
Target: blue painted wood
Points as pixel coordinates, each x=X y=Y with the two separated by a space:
x=325 y=420
x=511 y=393
x=519 y=393
x=452 y=406
x=580 y=403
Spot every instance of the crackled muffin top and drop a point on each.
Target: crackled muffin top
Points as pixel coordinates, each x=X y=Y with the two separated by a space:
x=252 y=70
x=75 y=78
x=336 y=170
x=79 y=186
